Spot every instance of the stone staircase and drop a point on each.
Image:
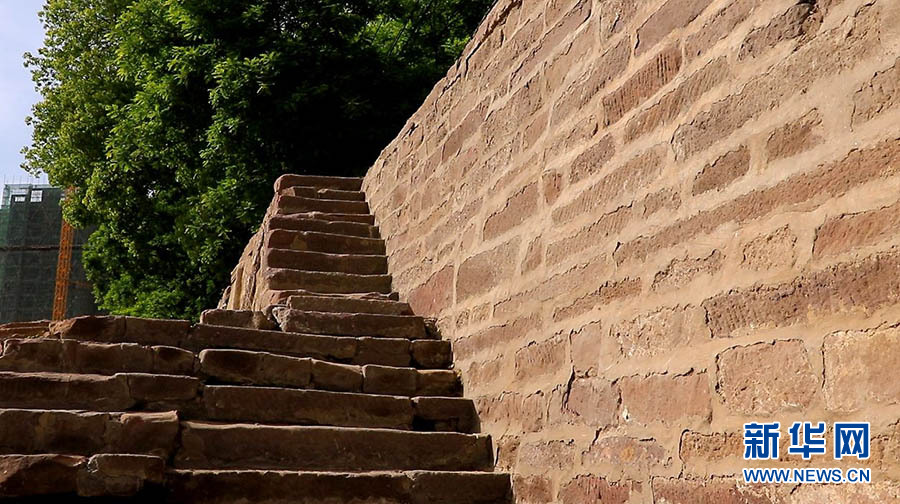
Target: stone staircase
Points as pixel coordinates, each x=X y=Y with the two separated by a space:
x=336 y=394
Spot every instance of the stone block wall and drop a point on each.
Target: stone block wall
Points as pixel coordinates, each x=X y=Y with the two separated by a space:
x=645 y=223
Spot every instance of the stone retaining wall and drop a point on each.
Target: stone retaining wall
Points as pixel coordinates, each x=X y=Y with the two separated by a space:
x=644 y=223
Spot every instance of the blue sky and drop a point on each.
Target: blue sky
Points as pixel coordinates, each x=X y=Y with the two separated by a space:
x=20 y=31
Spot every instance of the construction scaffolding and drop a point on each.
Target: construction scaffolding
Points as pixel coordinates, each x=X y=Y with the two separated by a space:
x=31 y=263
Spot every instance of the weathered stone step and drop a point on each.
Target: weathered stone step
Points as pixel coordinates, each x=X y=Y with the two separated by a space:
x=426 y=354
x=267 y=369
x=230 y=403
x=346 y=303
x=248 y=319
x=270 y=487
x=119 y=392
x=299 y=222
x=324 y=261
x=244 y=446
x=30 y=431
x=23 y=329
x=328 y=194
x=68 y=478
x=318 y=181
x=324 y=242
x=326 y=282
x=72 y=356
x=367 y=219
x=287 y=204
x=351 y=324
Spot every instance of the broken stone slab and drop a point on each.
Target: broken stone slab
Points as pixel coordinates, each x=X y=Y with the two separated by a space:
x=117 y=329
x=112 y=475
x=30 y=431
x=24 y=329
x=247 y=319
x=365 y=303
x=56 y=355
x=351 y=324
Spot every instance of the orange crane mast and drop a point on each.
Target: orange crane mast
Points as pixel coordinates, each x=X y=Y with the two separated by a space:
x=63 y=271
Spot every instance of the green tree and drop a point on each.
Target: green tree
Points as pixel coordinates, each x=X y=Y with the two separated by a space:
x=170 y=119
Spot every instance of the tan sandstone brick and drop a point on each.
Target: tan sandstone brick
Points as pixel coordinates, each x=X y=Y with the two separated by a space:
x=849 y=231
x=590 y=489
x=435 y=294
x=831 y=179
x=592 y=159
x=766 y=378
x=661 y=331
x=723 y=171
x=480 y=273
x=538 y=359
x=666 y=398
x=518 y=208
x=591 y=401
x=795 y=137
x=682 y=271
x=860 y=369
x=644 y=83
x=866 y=286
x=796 y=21
x=719 y=26
x=679 y=100
x=712 y=491
x=770 y=251
x=672 y=15
x=881 y=93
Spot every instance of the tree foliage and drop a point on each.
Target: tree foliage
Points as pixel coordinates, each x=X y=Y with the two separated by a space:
x=170 y=119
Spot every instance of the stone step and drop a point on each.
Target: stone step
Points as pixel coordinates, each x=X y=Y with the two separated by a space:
x=268 y=369
x=287 y=204
x=271 y=487
x=277 y=405
x=326 y=282
x=31 y=431
x=323 y=261
x=367 y=219
x=383 y=351
x=124 y=392
x=248 y=319
x=23 y=329
x=328 y=194
x=324 y=242
x=346 y=303
x=245 y=446
x=72 y=356
x=90 y=392
x=424 y=354
x=318 y=181
x=300 y=222
x=351 y=324
x=42 y=478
